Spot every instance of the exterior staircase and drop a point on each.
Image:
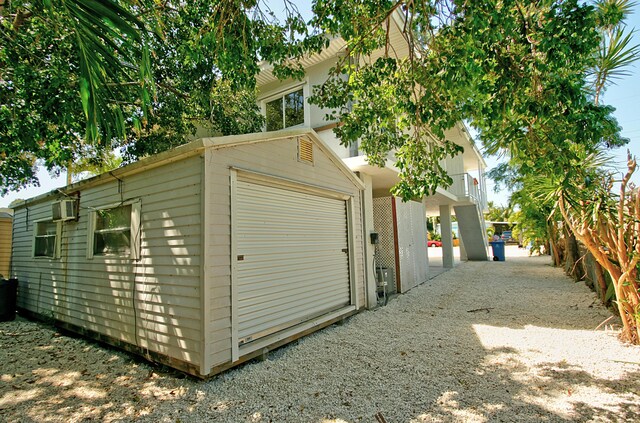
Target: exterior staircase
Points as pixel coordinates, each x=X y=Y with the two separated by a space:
x=472 y=231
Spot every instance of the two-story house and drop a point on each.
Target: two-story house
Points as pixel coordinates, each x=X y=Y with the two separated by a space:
x=401 y=227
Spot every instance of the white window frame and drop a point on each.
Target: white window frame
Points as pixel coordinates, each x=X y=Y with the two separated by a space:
x=57 y=244
x=135 y=228
x=281 y=94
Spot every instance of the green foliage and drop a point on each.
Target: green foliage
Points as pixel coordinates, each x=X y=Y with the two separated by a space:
x=91 y=164
x=80 y=78
x=40 y=110
x=234 y=111
x=498 y=213
x=516 y=71
x=144 y=74
x=112 y=51
x=616 y=53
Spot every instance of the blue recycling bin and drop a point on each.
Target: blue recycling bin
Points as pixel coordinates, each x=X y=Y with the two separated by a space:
x=498 y=250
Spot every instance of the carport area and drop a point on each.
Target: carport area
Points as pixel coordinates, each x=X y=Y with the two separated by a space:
x=482 y=342
x=435 y=258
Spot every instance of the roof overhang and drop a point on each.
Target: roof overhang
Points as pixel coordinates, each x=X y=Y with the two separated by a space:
x=194 y=148
x=338 y=46
x=382 y=178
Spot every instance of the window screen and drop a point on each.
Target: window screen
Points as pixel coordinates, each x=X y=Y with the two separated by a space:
x=112 y=231
x=45 y=239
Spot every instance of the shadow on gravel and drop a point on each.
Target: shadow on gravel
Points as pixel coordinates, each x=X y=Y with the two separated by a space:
x=48 y=376
x=45 y=379
x=407 y=362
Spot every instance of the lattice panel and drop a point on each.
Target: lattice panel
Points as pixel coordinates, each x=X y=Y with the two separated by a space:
x=383 y=224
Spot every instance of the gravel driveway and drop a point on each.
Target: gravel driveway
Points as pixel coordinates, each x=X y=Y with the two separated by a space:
x=491 y=341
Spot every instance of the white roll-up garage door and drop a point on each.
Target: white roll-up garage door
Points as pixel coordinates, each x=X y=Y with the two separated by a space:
x=292 y=260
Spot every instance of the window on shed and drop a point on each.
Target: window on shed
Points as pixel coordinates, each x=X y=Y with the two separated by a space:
x=115 y=231
x=46 y=239
x=112 y=234
x=285 y=111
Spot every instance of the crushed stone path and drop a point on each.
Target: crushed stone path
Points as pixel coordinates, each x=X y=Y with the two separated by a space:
x=506 y=341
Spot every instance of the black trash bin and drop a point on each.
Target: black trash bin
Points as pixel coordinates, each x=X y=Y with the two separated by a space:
x=8 y=294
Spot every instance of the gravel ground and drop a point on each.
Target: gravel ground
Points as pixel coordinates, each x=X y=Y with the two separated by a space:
x=499 y=342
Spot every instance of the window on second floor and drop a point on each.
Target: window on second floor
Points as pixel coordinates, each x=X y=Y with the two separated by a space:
x=286 y=111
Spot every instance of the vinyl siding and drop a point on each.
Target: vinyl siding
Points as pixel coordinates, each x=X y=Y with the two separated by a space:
x=277 y=159
x=153 y=303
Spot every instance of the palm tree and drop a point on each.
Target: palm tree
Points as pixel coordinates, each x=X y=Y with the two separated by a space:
x=113 y=55
x=112 y=51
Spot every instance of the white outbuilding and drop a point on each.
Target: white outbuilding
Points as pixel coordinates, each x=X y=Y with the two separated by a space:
x=200 y=257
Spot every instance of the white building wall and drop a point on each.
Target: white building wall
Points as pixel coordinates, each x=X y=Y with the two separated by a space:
x=277 y=159
x=152 y=303
x=455 y=169
x=412 y=244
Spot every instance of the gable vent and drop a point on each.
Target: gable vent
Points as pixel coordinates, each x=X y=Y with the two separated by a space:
x=305 y=150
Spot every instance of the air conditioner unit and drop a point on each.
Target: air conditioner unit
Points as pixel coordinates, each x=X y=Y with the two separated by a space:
x=63 y=210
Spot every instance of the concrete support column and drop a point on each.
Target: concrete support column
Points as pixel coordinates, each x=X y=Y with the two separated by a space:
x=447 y=236
x=371 y=299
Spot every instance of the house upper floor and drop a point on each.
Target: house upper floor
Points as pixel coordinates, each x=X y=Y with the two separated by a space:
x=284 y=104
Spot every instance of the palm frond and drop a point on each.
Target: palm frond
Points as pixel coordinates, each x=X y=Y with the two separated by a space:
x=112 y=52
x=612 y=13
x=618 y=54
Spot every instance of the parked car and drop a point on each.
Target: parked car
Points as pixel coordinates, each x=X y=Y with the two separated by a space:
x=431 y=243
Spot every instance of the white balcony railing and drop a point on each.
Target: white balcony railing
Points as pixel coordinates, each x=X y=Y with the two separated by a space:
x=466 y=186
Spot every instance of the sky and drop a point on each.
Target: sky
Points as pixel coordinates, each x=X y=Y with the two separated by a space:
x=624 y=96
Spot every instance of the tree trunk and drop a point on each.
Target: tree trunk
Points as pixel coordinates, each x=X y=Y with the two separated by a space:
x=626 y=300
x=573 y=266
x=553 y=243
x=602 y=282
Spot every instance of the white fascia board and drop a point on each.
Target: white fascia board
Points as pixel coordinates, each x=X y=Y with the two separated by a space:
x=265 y=76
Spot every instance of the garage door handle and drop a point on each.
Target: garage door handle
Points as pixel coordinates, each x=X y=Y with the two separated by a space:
x=241 y=258
x=345 y=250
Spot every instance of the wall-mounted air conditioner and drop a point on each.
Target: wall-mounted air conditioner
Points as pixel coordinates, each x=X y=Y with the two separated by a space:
x=63 y=210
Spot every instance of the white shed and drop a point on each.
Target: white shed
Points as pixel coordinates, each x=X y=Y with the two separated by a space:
x=200 y=257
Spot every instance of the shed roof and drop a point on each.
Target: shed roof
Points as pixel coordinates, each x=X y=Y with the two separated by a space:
x=193 y=148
